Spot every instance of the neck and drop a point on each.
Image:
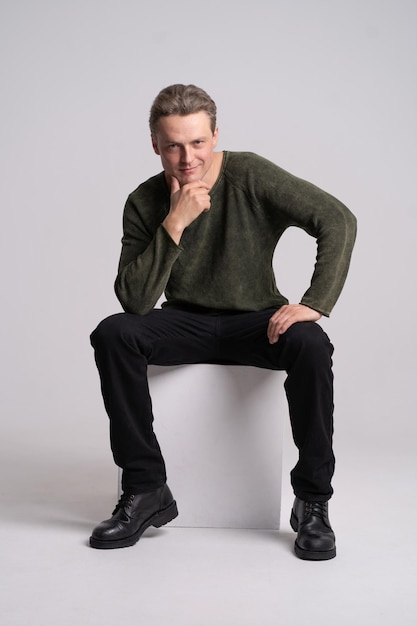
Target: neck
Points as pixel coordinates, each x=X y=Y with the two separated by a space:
x=213 y=173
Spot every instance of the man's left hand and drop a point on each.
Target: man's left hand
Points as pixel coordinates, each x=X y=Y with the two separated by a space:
x=288 y=315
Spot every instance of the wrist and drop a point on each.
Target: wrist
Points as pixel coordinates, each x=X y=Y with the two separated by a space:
x=173 y=229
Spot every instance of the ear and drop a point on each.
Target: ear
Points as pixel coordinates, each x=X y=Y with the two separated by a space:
x=215 y=137
x=155 y=145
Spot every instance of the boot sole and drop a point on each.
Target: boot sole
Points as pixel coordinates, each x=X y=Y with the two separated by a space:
x=309 y=555
x=157 y=520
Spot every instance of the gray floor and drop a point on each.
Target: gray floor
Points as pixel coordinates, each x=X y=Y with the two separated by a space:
x=199 y=577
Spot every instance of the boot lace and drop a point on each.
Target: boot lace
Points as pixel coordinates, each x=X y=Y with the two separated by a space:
x=316 y=508
x=125 y=500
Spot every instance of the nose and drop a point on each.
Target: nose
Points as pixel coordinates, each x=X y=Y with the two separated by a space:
x=186 y=155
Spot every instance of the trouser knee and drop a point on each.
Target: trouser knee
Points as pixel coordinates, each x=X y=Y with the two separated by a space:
x=309 y=339
x=109 y=331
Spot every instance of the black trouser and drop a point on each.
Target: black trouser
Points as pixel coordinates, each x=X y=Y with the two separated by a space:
x=124 y=345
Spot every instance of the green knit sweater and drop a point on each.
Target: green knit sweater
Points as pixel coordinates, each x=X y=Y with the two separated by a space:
x=224 y=260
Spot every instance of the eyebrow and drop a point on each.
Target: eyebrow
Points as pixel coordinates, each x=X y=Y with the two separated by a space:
x=180 y=143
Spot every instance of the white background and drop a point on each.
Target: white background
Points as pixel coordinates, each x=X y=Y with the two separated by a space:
x=326 y=89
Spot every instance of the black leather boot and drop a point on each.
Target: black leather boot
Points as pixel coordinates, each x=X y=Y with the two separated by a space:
x=132 y=516
x=315 y=540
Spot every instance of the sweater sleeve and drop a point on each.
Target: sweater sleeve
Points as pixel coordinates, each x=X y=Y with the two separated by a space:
x=331 y=223
x=333 y=226
x=147 y=256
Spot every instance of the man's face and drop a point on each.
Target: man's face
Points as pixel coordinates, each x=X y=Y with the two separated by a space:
x=186 y=145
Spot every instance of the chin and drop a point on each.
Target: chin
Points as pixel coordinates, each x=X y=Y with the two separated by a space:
x=188 y=178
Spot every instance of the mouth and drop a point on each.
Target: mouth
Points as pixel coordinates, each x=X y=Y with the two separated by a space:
x=189 y=170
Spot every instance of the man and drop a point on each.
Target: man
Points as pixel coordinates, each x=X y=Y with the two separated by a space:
x=203 y=232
